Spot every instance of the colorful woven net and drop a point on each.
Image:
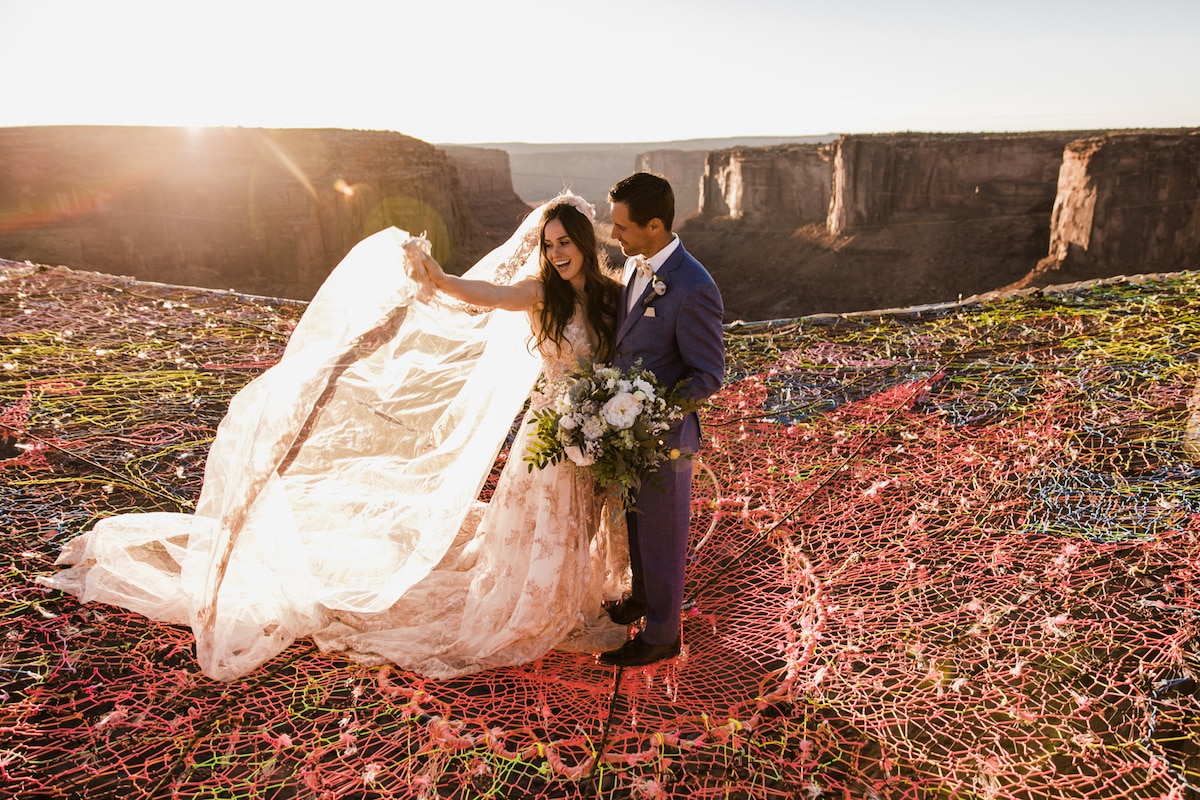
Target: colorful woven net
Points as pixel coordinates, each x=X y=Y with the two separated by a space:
x=949 y=552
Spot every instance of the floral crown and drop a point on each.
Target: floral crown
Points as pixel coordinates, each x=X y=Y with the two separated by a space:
x=580 y=205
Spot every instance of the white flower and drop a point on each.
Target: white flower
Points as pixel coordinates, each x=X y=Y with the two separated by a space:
x=567 y=422
x=622 y=410
x=643 y=387
x=593 y=428
x=576 y=455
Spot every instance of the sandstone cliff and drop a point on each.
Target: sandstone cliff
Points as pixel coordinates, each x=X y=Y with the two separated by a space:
x=925 y=218
x=909 y=218
x=784 y=186
x=894 y=179
x=263 y=211
x=540 y=171
x=486 y=178
x=886 y=221
x=1127 y=203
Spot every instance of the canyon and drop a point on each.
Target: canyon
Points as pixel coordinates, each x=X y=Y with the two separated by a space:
x=915 y=219
x=260 y=211
x=788 y=227
x=540 y=171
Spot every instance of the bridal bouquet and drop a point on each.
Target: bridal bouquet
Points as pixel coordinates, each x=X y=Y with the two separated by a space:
x=606 y=420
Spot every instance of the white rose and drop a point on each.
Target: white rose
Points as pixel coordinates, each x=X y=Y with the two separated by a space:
x=567 y=423
x=622 y=411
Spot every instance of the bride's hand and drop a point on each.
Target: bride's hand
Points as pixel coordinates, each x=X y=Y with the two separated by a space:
x=433 y=270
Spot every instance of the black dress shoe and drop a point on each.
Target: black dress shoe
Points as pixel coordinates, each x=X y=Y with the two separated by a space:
x=626 y=612
x=638 y=653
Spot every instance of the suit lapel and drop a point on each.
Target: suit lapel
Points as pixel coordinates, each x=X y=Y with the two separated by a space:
x=626 y=286
x=628 y=317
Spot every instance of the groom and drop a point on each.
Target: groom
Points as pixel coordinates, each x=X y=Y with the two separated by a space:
x=670 y=321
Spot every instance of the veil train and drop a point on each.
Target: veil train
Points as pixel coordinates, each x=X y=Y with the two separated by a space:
x=340 y=476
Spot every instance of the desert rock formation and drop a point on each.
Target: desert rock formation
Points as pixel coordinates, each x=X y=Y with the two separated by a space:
x=787 y=228
x=1126 y=204
x=540 y=171
x=769 y=186
x=926 y=218
x=259 y=210
x=876 y=221
x=901 y=178
x=486 y=179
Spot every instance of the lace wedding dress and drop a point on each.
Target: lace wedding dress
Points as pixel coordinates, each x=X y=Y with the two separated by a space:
x=339 y=497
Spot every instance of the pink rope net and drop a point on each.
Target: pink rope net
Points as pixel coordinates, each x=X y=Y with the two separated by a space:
x=948 y=552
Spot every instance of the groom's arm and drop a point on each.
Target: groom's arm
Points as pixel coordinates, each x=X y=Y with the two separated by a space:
x=701 y=339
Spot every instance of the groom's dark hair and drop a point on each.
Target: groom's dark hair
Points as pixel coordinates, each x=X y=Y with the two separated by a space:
x=646 y=196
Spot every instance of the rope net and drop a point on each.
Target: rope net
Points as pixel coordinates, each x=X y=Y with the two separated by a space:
x=944 y=552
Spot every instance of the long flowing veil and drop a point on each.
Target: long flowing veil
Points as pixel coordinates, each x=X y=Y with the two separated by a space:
x=341 y=475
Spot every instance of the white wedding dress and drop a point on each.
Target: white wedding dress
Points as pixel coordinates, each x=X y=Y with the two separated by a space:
x=339 y=498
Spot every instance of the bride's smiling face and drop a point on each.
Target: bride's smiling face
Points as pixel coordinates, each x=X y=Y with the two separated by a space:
x=563 y=255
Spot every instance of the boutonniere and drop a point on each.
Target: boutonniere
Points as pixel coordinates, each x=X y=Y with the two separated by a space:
x=658 y=288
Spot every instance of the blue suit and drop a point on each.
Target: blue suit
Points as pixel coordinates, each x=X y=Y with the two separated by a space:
x=679 y=338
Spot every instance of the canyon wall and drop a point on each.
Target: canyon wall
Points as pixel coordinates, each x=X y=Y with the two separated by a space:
x=540 y=171
x=1126 y=203
x=264 y=211
x=788 y=229
x=925 y=218
x=685 y=170
x=884 y=180
x=486 y=178
x=875 y=221
x=786 y=185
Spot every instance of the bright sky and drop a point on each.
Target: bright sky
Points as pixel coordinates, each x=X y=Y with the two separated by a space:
x=617 y=71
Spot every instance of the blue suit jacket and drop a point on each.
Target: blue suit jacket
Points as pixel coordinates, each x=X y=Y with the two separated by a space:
x=682 y=338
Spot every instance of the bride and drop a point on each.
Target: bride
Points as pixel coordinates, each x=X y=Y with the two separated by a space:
x=340 y=492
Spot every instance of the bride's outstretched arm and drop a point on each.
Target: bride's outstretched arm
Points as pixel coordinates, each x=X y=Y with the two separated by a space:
x=523 y=295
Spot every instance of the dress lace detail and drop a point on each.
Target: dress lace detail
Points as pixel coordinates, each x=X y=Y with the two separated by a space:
x=577 y=345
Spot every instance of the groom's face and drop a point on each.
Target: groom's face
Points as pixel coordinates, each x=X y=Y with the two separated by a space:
x=634 y=239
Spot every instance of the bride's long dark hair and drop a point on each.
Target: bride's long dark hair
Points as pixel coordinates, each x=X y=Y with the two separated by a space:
x=601 y=290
